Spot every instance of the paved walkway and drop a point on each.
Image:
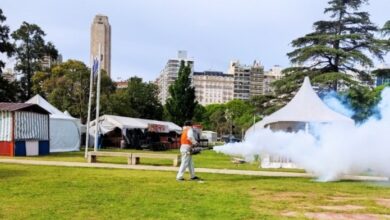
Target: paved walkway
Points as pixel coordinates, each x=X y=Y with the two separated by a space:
x=174 y=169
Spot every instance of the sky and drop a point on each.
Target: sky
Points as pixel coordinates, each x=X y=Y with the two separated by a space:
x=146 y=33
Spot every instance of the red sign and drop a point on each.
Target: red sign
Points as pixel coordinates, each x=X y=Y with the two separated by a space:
x=158 y=128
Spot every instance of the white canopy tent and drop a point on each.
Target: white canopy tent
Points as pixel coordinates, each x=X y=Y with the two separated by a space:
x=305 y=108
x=64 y=129
x=108 y=123
x=83 y=128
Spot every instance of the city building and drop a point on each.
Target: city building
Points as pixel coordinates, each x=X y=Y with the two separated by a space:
x=170 y=73
x=248 y=80
x=275 y=73
x=9 y=75
x=101 y=35
x=213 y=87
x=382 y=75
x=256 y=79
x=47 y=62
x=121 y=84
x=382 y=80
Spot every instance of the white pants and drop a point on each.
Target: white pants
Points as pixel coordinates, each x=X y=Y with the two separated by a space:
x=186 y=161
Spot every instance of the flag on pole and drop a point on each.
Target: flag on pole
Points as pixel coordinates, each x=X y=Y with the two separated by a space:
x=95 y=67
x=97 y=99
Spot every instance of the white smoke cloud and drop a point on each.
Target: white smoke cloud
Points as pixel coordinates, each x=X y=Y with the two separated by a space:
x=329 y=150
x=334 y=102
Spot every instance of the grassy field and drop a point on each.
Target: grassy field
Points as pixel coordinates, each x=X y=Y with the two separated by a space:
x=41 y=192
x=207 y=159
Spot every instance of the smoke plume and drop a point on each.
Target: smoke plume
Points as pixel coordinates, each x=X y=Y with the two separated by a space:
x=327 y=150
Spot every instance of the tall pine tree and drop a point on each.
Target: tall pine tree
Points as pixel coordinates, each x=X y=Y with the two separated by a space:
x=5 y=46
x=181 y=104
x=337 y=46
x=8 y=90
x=30 y=50
x=386 y=29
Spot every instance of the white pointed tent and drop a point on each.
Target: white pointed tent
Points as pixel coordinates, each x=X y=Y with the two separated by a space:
x=64 y=129
x=305 y=108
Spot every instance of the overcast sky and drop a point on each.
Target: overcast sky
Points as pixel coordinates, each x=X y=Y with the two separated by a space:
x=146 y=33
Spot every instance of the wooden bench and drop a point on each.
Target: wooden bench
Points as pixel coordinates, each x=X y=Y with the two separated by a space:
x=137 y=156
x=92 y=155
x=132 y=158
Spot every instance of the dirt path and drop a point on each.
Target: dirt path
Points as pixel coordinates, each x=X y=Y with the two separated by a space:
x=174 y=169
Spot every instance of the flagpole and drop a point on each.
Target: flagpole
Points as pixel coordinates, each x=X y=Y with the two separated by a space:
x=89 y=108
x=98 y=100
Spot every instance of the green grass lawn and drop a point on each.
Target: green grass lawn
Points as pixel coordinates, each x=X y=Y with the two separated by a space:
x=206 y=159
x=42 y=192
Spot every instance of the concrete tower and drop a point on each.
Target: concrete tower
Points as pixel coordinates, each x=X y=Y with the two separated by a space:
x=101 y=34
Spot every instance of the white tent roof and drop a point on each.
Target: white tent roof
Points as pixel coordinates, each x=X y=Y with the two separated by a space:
x=54 y=112
x=306 y=106
x=108 y=123
x=83 y=128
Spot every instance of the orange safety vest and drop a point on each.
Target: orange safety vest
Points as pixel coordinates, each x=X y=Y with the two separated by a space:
x=184 y=137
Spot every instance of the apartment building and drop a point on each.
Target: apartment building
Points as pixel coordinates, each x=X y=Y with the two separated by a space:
x=170 y=73
x=213 y=87
x=248 y=80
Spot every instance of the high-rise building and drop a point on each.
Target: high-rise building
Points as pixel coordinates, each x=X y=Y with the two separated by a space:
x=248 y=80
x=47 y=62
x=170 y=73
x=256 y=79
x=275 y=73
x=101 y=35
x=213 y=87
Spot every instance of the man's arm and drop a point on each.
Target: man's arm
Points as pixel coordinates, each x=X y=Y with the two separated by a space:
x=191 y=136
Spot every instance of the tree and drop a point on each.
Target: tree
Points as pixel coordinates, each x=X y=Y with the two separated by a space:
x=219 y=122
x=363 y=101
x=265 y=105
x=30 y=49
x=199 y=114
x=138 y=100
x=386 y=33
x=335 y=47
x=37 y=81
x=242 y=113
x=386 y=29
x=67 y=88
x=5 y=46
x=385 y=73
x=209 y=110
x=181 y=104
x=9 y=91
x=236 y=116
x=143 y=98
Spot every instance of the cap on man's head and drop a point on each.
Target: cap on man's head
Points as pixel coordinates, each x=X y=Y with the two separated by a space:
x=188 y=123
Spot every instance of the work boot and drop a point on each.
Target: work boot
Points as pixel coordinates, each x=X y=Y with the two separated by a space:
x=195 y=178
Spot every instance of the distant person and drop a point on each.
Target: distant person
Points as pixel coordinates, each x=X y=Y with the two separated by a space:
x=187 y=141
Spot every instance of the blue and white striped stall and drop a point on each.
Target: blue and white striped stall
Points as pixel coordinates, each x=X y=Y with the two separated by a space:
x=24 y=130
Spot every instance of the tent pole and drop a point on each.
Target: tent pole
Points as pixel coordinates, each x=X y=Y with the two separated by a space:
x=98 y=100
x=89 y=109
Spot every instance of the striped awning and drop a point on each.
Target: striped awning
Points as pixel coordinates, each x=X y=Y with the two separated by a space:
x=31 y=126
